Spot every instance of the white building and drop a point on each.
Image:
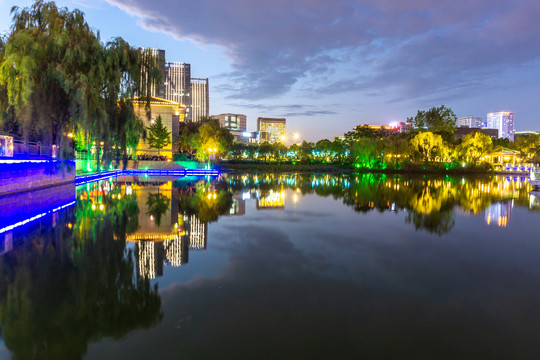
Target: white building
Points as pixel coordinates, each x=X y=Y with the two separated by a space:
x=199 y=99
x=502 y=121
x=470 y=122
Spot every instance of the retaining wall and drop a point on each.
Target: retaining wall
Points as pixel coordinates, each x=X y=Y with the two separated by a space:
x=20 y=177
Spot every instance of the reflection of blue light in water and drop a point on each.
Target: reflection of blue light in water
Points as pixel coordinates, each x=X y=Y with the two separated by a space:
x=35 y=217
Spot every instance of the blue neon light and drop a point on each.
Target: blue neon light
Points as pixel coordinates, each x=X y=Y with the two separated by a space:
x=35 y=217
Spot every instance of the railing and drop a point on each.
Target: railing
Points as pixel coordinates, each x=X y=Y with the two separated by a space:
x=34 y=149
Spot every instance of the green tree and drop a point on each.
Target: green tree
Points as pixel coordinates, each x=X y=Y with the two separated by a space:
x=439 y=120
x=528 y=145
x=58 y=78
x=427 y=144
x=212 y=139
x=158 y=135
x=474 y=146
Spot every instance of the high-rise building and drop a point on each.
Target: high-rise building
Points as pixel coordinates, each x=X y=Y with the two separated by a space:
x=153 y=57
x=504 y=122
x=199 y=99
x=177 y=84
x=470 y=122
x=233 y=122
x=271 y=129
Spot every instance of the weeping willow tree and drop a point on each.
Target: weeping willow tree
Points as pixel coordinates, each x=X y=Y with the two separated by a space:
x=57 y=77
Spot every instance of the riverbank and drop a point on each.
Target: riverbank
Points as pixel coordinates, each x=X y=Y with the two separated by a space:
x=333 y=168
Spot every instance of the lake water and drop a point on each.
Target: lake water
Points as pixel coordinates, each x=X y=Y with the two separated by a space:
x=273 y=267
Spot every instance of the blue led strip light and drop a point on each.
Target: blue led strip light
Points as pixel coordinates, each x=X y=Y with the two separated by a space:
x=35 y=217
x=83 y=179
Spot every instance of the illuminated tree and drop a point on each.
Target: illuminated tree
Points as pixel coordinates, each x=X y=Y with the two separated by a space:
x=474 y=146
x=59 y=79
x=529 y=145
x=158 y=135
x=427 y=144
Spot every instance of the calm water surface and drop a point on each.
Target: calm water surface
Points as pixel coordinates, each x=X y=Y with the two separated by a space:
x=273 y=267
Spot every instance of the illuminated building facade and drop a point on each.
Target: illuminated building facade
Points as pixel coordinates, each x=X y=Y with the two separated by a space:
x=233 y=122
x=200 y=102
x=271 y=129
x=177 y=84
x=504 y=122
x=470 y=122
x=171 y=114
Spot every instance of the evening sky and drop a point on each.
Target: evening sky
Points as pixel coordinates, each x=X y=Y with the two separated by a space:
x=328 y=66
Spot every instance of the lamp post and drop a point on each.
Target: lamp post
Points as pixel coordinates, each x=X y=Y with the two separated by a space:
x=211 y=155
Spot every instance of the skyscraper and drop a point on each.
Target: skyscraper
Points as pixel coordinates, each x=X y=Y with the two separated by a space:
x=470 y=122
x=177 y=84
x=199 y=99
x=271 y=129
x=504 y=122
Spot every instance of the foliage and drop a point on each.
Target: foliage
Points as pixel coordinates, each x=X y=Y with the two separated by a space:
x=474 y=146
x=204 y=139
x=56 y=77
x=529 y=145
x=439 y=120
x=158 y=135
x=428 y=145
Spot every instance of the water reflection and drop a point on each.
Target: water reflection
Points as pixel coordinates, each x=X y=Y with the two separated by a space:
x=430 y=204
x=75 y=269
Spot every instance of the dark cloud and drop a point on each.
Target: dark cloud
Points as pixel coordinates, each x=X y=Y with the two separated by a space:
x=419 y=47
x=292 y=110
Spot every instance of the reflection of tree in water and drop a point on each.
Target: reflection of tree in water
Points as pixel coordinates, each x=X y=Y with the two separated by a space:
x=65 y=288
x=158 y=204
x=205 y=200
x=429 y=202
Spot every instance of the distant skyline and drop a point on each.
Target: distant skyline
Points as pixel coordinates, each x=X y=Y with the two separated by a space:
x=328 y=66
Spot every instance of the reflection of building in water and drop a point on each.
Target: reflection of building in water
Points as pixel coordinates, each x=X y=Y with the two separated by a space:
x=499 y=213
x=534 y=200
x=149 y=259
x=177 y=251
x=272 y=200
x=238 y=206
x=160 y=237
x=198 y=233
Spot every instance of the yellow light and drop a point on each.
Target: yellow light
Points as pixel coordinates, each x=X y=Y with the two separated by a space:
x=93 y=206
x=209 y=196
x=101 y=207
x=119 y=196
x=70 y=135
x=283 y=137
x=214 y=196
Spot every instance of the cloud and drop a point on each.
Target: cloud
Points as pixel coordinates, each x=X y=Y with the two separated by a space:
x=417 y=48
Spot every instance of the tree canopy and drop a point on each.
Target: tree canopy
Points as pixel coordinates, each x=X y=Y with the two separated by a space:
x=158 y=135
x=57 y=77
x=440 y=120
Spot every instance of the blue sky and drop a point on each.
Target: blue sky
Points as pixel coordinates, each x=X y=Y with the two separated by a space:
x=328 y=66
